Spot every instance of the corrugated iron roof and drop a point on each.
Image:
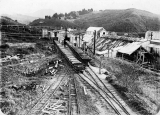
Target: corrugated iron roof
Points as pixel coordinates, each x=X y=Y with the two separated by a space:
x=92 y=29
x=130 y=48
x=88 y=38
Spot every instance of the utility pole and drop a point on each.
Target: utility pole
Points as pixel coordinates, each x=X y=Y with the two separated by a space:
x=108 y=50
x=151 y=35
x=65 y=37
x=94 y=48
x=79 y=40
x=84 y=47
x=101 y=58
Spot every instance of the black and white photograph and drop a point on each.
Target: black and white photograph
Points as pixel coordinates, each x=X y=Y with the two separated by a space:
x=80 y=57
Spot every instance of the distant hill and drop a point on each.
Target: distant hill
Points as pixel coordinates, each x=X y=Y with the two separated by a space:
x=129 y=20
x=24 y=19
x=53 y=22
x=42 y=13
x=8 y=21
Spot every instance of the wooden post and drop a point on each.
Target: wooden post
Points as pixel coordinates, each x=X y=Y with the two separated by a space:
x=0 y=37
x=79 y=40
x=143 y=57
x=100 y=65
x=94 y=48
x=151 y=35
x=108 y=50
x=18 y=29
x=84 y=47
x=101 y=58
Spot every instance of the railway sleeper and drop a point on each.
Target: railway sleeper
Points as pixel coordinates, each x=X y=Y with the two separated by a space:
x=74 y=102
x=73 y=91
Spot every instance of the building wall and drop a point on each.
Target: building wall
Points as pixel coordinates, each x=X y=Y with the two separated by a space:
x=99 y=33
x=61 y=36
x=44 y=33
x=76 y=39
x=103 y=31
x=155 y=35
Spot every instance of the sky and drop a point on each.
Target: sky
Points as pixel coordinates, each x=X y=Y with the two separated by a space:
x=31 y=6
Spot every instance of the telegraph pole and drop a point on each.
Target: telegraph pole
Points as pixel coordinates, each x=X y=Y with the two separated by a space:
x=94 y=48
x=151 y=35
x=65 y=37
x=101 y=58
x=108 y=50
x=79 y=40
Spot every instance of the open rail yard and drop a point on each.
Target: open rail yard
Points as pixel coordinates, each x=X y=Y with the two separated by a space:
x=39 y=85
x=46 y=80
x=49 y=76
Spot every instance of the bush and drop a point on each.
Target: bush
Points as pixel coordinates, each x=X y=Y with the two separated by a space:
x=4 y=46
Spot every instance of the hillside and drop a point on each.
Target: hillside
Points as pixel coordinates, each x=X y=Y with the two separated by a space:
x=24 y=19
x=53 y=22
x=8 y=21
x=129 y=20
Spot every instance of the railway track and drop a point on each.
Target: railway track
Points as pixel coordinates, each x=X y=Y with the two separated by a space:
x=90 y=77
x=95 y=82
x=73 y=102
x=40 y=104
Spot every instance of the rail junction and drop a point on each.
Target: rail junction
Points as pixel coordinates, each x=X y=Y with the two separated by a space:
x=86 y=74
x=63 y=96
x=67 y=98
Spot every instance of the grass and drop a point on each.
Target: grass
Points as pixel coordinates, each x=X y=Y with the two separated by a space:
x=129 y=20
x=13 y=101
x=139 y=87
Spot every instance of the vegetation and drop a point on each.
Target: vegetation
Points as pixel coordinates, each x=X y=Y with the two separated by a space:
x=129 y=20
x=70 y=15
x=8 y=21
x=139 y=87
x=53 y=22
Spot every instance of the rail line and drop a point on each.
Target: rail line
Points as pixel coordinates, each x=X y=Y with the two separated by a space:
x=104 y=95
x=85 y=80
x=105 y=92
x=73 y=102
x=95 y=82
x=103 y=87
x=48 y=93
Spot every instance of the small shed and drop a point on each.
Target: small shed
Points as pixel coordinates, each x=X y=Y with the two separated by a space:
x=100 y=32
x=134 y=52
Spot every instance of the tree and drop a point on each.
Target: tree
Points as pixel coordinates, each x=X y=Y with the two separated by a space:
x=61 y=15
x=66 y=14
x=55 y=16
x=91 y=9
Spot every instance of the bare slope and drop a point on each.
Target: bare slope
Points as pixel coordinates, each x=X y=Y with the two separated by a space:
x=129 y=20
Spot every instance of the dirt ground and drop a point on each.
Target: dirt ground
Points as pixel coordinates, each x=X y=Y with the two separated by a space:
x=24 y=80
x=139 y=87
x=92 y=103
